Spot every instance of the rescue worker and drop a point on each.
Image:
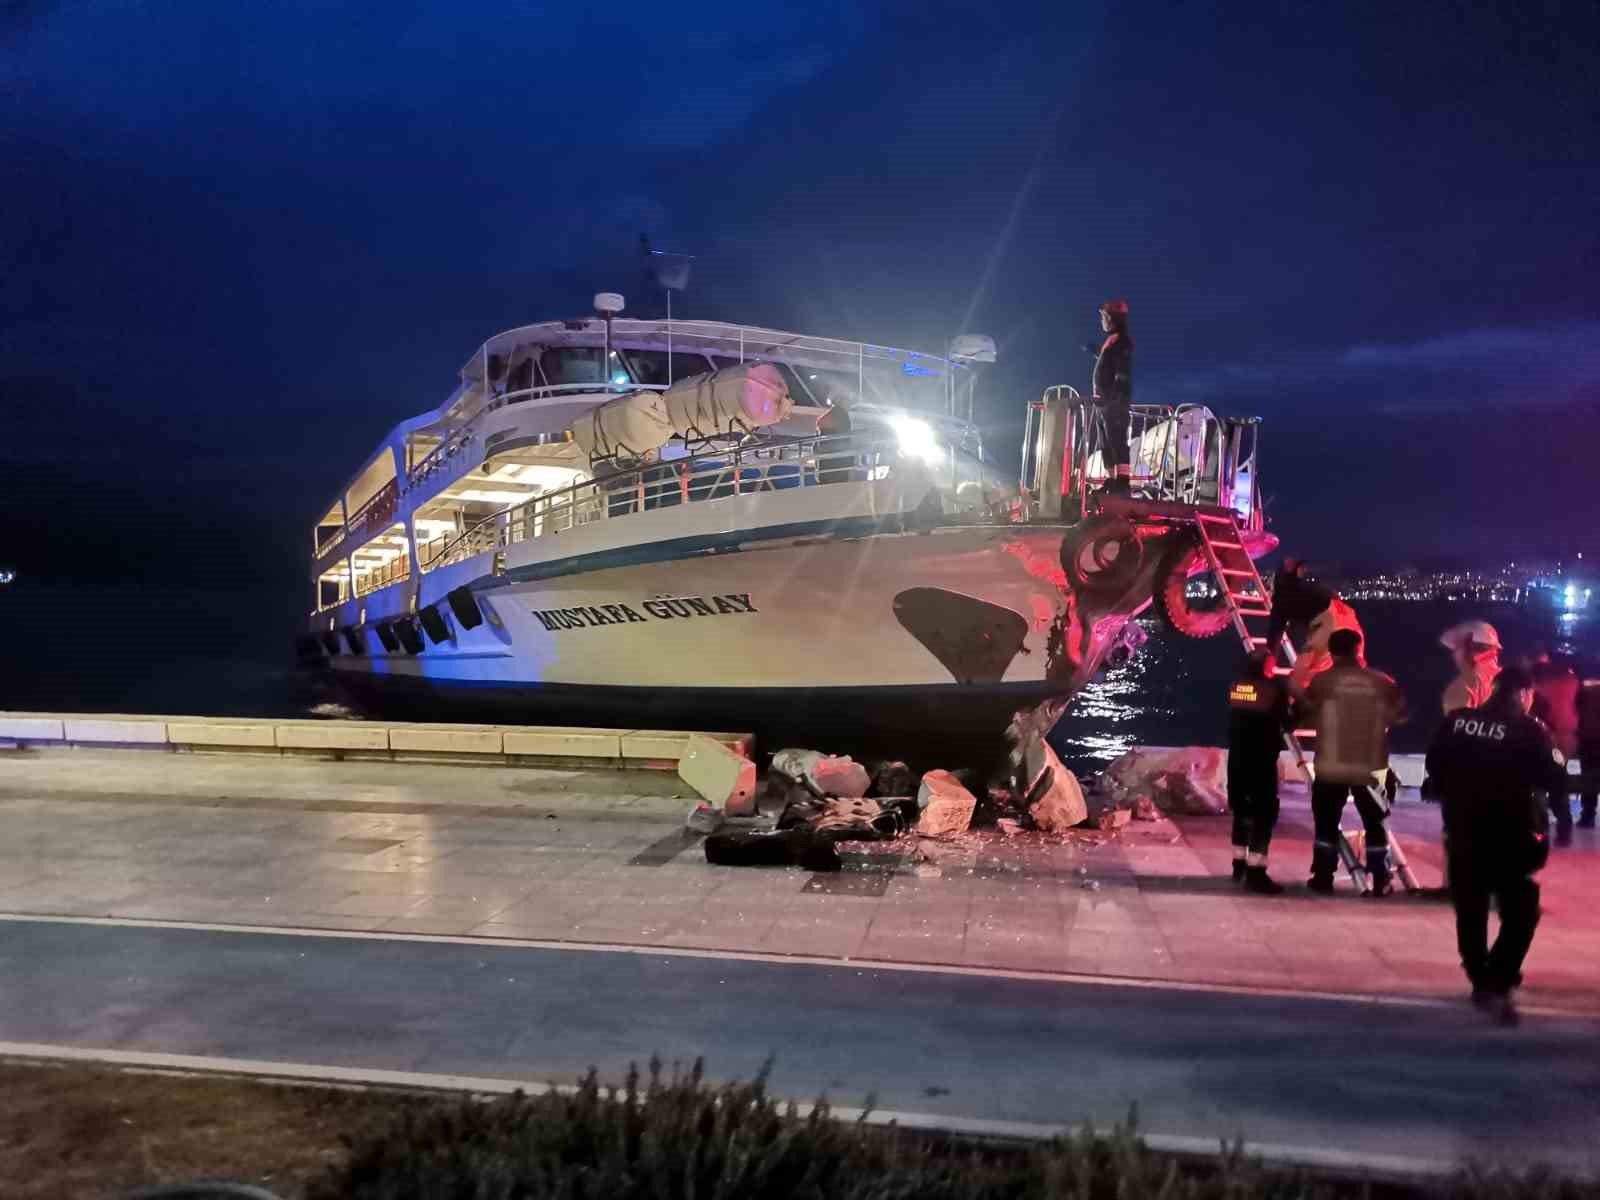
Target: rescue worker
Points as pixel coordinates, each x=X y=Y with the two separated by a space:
x=1353 y=708
x=1490 y=762
x=1300 y=600
x=1258 y=713
x=1589 y=750
x=1475 y=647
x=1555 y=705
x=1113 y=396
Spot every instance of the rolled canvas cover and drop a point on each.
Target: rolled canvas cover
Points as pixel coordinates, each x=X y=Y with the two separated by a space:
x=731 y=400
x=629 y=425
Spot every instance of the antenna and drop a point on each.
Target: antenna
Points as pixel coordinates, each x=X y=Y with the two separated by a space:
x=608 y=305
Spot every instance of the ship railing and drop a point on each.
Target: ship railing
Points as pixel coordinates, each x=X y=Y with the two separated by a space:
x=742 y=342
x=764 y=466
x=393 y=571
x=459 y=438
x=1179 y=454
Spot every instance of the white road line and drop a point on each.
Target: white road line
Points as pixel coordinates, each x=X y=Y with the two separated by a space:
x=861 y=965
x=1361 y=1162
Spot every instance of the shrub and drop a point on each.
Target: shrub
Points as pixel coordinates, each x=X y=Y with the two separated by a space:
x=675 y=1137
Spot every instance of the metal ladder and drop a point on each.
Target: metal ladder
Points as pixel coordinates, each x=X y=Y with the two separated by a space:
x=1246 y=595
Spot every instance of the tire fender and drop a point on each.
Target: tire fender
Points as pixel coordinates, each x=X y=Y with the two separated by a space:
x=1182 y=559
x=1102 y=556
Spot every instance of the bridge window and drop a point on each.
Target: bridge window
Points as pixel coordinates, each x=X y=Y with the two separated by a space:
x=579 y=364
x=650 y=366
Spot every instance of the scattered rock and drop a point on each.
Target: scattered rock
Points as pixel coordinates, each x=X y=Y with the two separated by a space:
x=824 y=774
x=1057 y=802
x=1189 y=779
x=1144 y=809
x=1114 y=818
x=1009 y=826
x=892 y=779
x=946 y=805
x=928 y=871
x=722 y=776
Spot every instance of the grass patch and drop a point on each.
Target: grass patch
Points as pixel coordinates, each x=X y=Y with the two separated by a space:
x=91 y=1132
x=663 y=1135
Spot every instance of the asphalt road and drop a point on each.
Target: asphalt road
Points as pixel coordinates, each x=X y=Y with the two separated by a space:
x=1433 y=1082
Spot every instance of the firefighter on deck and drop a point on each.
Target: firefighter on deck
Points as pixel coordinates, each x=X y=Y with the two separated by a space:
x=1113 y=396
x=1491 y=765
x=1258 y=714
x=1353 y=708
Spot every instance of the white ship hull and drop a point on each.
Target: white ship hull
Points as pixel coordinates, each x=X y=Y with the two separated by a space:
x=886 y=627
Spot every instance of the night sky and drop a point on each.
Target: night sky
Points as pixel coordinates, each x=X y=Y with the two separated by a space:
x=241 y=241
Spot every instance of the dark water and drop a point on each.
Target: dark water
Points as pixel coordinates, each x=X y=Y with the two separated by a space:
x=186 y=650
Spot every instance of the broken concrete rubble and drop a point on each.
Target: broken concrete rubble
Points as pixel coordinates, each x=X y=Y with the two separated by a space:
x=724 y=777
x=1056 y=800
x=946 y=805
x=824 y=774
x=1188 y=779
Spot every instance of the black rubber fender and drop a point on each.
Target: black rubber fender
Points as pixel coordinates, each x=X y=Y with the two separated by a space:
x=1180 y=560
x=1102 y=556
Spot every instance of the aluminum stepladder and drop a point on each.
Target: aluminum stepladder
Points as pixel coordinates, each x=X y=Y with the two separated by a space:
x=1244 y=591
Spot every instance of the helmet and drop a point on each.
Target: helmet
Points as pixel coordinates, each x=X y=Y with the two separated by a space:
x=1116 y=308
x=1470 y=633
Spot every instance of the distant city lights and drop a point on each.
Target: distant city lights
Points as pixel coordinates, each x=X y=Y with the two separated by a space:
x=1553 y=584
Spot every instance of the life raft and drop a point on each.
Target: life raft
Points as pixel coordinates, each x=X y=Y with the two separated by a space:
x=1173 y=604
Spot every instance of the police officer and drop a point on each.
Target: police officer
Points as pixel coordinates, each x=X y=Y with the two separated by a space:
x=1490 y=764
x=1258 y=713
x=1353 y=708
x=1113 y=395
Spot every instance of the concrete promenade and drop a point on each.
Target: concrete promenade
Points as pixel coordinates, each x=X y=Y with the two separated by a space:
x=1036 y=979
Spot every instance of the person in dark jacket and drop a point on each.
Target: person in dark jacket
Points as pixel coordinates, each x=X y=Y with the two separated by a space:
x=1258 y=713
x=1555 y=702
x=1492 y=766
x=1589 y=749
x=1300 y=600
x=1113 y=396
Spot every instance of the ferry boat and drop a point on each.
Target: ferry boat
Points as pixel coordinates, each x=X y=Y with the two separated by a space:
x=690 y=523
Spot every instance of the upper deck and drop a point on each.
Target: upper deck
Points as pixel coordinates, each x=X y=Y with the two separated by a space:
x=521 y=389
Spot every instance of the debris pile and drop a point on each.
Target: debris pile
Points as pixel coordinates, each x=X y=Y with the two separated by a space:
x=810 y=802
x=1189 y=780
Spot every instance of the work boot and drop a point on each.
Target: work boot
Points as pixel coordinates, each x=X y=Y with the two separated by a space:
x=1258 y=881
x=1497 y=1005
x=1586 y=820
x=1321 y=884
x=1238 y=870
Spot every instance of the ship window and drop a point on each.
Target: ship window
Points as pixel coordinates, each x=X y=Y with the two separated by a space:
x=579 y=364
x=330 y=528
x=650 y=366
x=570 y=364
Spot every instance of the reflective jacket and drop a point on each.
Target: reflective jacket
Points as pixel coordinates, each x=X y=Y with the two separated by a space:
x=1258 y=713
x=1490 y=765
x=1353 y=708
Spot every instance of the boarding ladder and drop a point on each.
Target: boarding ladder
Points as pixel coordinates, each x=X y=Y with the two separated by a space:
x=1247 y=598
